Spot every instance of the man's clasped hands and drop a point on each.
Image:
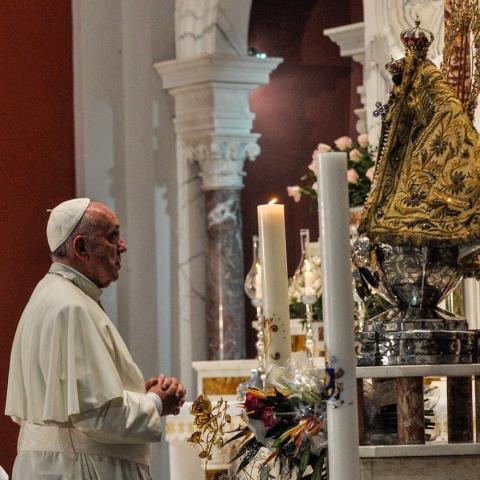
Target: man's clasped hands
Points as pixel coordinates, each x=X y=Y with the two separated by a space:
x=171 y=392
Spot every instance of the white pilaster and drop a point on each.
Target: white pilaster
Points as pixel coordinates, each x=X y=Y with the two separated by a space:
x=211 y=26
x=351 y=40
x=125 y=157
x=384 y=20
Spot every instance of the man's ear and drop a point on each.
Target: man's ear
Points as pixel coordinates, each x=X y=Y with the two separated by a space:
x=79 y=248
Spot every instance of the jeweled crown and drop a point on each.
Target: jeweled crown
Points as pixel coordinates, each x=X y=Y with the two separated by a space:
x=394 y=67
x=416 y=40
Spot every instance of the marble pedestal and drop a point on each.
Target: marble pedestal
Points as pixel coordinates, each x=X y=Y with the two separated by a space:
x=454 y=466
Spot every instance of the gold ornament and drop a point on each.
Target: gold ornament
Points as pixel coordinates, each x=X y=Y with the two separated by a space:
x=426 y=187
x=461 y=59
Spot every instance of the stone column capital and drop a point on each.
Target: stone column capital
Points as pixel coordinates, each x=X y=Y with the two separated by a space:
x=216 y=67
x=212 y=116
x=350 y=39
x=222 y=158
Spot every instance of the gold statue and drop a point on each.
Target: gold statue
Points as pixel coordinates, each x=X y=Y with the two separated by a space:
x=426 y=187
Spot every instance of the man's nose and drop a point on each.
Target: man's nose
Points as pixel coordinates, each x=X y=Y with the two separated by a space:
x=122 y=246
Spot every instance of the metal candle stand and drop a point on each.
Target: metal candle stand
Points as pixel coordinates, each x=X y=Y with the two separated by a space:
x=309 y=301
x=260 y=343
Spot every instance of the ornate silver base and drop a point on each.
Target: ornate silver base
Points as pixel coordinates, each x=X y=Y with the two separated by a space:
x=394 y=320
x=416 y=347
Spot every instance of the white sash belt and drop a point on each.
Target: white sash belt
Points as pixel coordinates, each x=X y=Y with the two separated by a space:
x=69 y=441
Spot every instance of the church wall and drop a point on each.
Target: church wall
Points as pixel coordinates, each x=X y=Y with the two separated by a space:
x=36 y=159
x=310 y=99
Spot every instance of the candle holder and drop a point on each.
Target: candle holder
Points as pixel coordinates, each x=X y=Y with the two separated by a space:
x=305 y=285
x=298 y=279
x=259 y=325
x=309 y=301
x=253 y=290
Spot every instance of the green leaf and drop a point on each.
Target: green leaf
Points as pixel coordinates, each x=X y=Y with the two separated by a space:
x=245 y=431
x=318 y=471
x=304 y=459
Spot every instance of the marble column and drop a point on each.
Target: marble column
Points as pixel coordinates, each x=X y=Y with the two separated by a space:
x=459 y=409
x=225 y=299
x=361 y=411
x=410 y=410
x=214 y=140
x=477 y=409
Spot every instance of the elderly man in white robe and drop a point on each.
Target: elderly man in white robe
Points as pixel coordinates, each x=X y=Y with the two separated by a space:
x=84 y=408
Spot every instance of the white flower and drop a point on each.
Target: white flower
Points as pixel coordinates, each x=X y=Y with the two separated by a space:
x=369 y=173
x=314 y=164
x=315 y=186
x=355 y=155
x=352 y=175
x=343 y=143
x=294 y=192
x=363 y=140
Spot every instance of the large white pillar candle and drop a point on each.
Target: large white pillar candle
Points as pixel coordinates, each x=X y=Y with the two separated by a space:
x=273 y=255
x=343 y=453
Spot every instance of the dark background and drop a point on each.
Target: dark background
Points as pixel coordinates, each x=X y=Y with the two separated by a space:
x=36 y=158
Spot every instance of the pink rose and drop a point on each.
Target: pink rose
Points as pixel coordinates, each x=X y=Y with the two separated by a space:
x=343 y=143
x=369 y=173
x=363 y=140
x=323 y=148
x=294 y=192
x=355 y=155
x=352 y=175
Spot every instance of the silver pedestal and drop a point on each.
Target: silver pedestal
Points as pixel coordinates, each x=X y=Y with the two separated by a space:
x=414 y=331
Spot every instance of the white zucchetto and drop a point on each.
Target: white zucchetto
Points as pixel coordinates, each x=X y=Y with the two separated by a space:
x=63 y=220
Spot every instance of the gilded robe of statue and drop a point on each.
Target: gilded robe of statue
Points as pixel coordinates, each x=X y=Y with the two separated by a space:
x=426 y=187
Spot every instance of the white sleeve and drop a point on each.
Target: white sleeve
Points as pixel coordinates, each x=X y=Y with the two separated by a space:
x=135 y=420
x=157 y=400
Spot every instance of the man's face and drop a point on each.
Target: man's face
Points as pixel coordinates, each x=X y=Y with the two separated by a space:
x=105 y=251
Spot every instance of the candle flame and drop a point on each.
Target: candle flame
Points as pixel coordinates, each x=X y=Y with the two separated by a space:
x=272 y=201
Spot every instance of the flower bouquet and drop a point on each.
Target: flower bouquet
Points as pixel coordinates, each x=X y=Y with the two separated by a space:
x=360 y=170
x=284 y=435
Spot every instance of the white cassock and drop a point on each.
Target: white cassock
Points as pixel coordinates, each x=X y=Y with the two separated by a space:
x=75 y=390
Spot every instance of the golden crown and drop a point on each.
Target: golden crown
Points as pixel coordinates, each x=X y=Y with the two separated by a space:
x=416 y=40
x=395 y=66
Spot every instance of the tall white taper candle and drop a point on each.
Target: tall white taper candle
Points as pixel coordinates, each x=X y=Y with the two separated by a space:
x=273 y=255
x=343 y=453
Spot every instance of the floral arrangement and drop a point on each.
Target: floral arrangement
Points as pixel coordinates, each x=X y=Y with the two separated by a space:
x=289 y=420
x=360 y=170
